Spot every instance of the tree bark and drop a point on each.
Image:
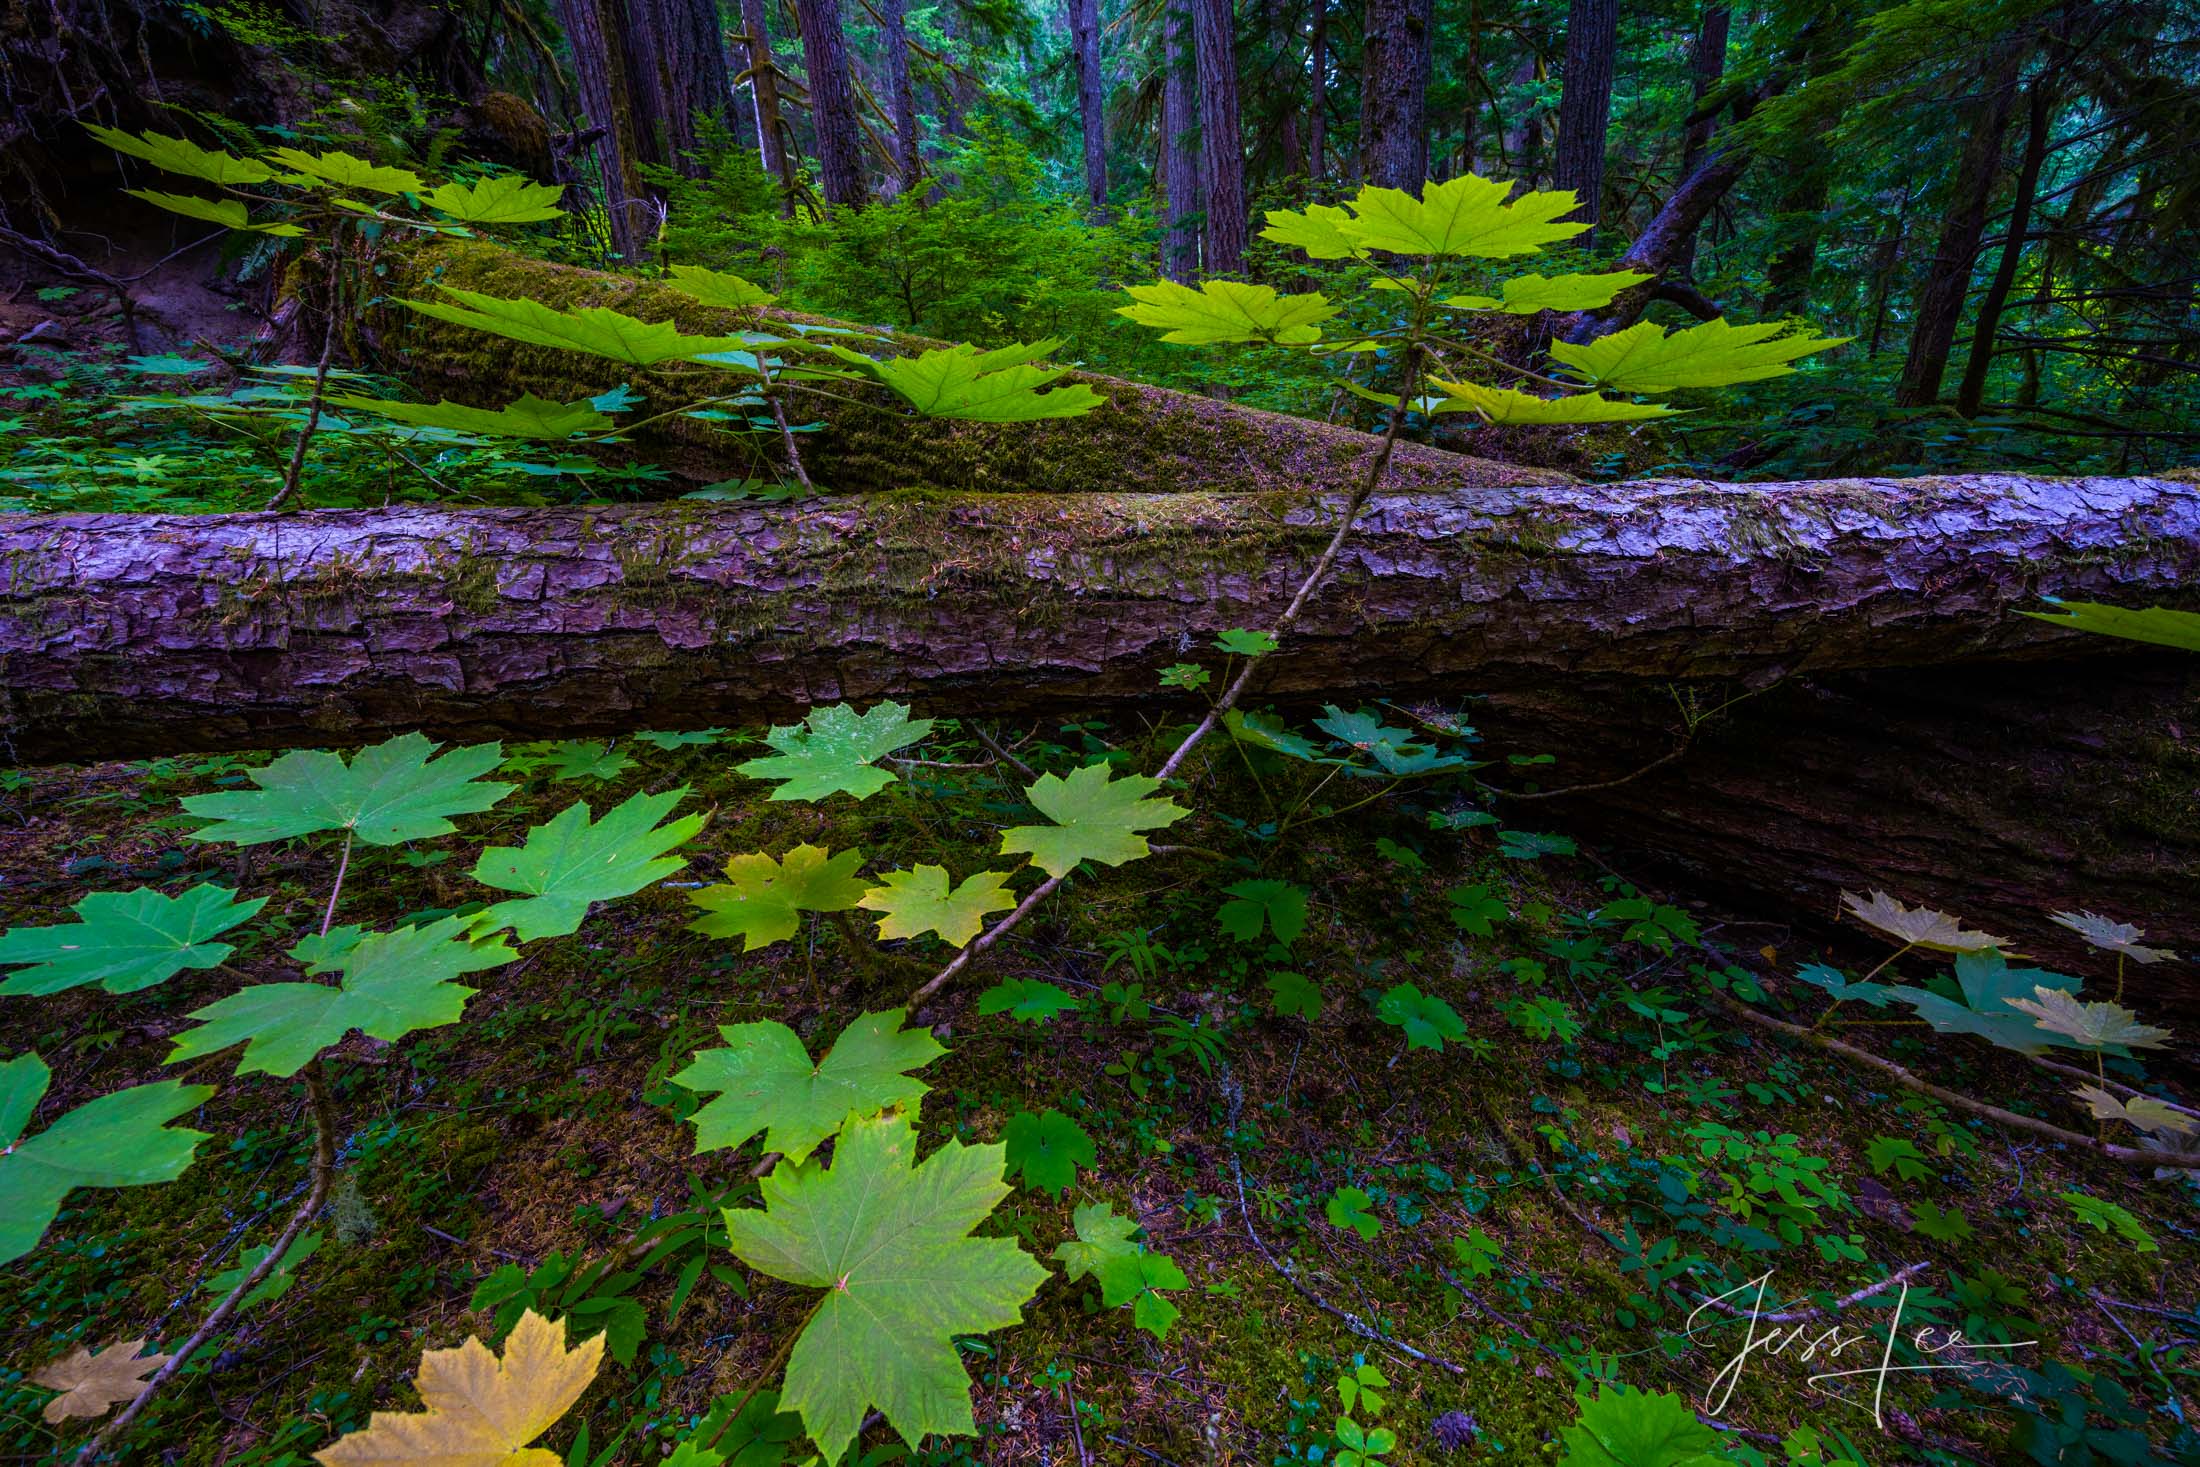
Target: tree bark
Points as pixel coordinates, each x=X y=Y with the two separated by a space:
x=1971 y=392
x=771 y=120
x=1585 y=106
x=1706 y=68
x=901 y=96
x=1221 y=142
x=839 y=132
x=1947 y=284
x=1084 y=31
x=1394 y=94
x=1179 y=157
x=129 y=635
x=1660 y=248
x=593 y=33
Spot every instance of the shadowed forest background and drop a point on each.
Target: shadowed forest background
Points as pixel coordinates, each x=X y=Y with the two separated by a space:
x=759 y=733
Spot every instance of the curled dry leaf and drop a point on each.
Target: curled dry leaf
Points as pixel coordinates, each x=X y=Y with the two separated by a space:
x=1918 y=926
x=90 y=1384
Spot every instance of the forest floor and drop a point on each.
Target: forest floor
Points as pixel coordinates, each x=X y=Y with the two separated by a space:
x=1519 y=1185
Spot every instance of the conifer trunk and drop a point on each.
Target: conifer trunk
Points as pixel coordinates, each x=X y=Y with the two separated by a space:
x=1585 y=106
x=1394 y=92
x=1221 y=144
x=1084 y=29
x=1179 y=170
x=839 y=134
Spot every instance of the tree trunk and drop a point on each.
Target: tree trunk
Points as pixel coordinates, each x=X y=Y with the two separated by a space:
x=1179 y=159
x=1802 y=208
x=1948 y=280
x=1394 y=94
x=680 y=61
x=593 y=33
x=1221 y=143
x=1092 y=97
x=1889 y=722
x=901 y=97
x=832 y=104
x=1585 y=106
x=1657 y=251
x=1706 y=68
x=771 y=121
x=1971 y=392
x=1317 y=118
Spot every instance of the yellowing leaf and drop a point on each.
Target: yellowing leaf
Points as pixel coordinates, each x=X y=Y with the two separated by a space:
x=718 y=288
x=1504 y=405
x=1647 y=358
x=90 y=1383
x=916 y=902
x=761 y=899
x=2092 y=1025
x=530 y=417
x=1918 y=926
x=2142 y=1112
x=176 y=155
x=346 y=170
x=763 y=1080
x=481 y=1411
x=595 y=330
x=1225 y=311
x=505 y=198
x=1466 y=215
x=1524 y=295
x=1097 y=818
x=2111 y=936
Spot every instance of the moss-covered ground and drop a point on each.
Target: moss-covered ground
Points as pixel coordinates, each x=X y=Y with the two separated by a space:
x=1535 y=1191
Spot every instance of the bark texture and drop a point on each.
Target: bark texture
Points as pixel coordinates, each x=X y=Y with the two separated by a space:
x=1706 y=69
x=772 y=131
x=1179 y=171
x=1084 y=31
x=139 y=634
x=2039 y=114
x=901 y=95
x=838 y=131
x=1221 y=144
x=1585 y=106
x=1394 y=93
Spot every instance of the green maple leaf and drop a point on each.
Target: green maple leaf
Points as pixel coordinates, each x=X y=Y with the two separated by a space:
x=1987 y=984
x=1097 y=818
x=503 y=198
x=998 y=386
x=1838 y=984
x=1464 y=216
x=1524 y=295
x=1102 y=1234
x=1351 y=1210
x=570 y=862
x=761 y=899
x=1226 y=311
x=596 y=330
x=1241 y=642
x=764 y=1081
x=1028 y=1000
x=1504 y=405
x=1533 y=845
x=530 y=417
x=1624 y=1428
x=887 y=1239
x=176 y=155
x=1278 y=905
x=118 y=1140
x=1647 y=358
x=1295 y=993
x=831 y=751
x=2159 y=625
x=2104 y=1216
x=1427 y=1020
x=1047 y=1149
x=393 y=983
x=1267 y=732
x=228 y=213
x=1395 y=751
x=125 y=940
x=1949 y=1226
x=389 y=793
x=1891 y=1153
x=347 y=170
x=718 y=288
x=277 y=1283
x=916 y=902
x=2090 y=1025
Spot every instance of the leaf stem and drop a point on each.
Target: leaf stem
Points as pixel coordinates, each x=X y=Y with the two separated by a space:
x=312 y=423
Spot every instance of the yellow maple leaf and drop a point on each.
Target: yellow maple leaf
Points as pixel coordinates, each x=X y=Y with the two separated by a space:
x=482 y=1412
x=91 y=1383
x=1918 y=926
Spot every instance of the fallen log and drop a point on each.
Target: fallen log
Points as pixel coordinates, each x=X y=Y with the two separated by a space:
x=1902 y=728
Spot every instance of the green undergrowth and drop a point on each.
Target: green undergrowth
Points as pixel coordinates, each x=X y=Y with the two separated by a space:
x=1495 y=1198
